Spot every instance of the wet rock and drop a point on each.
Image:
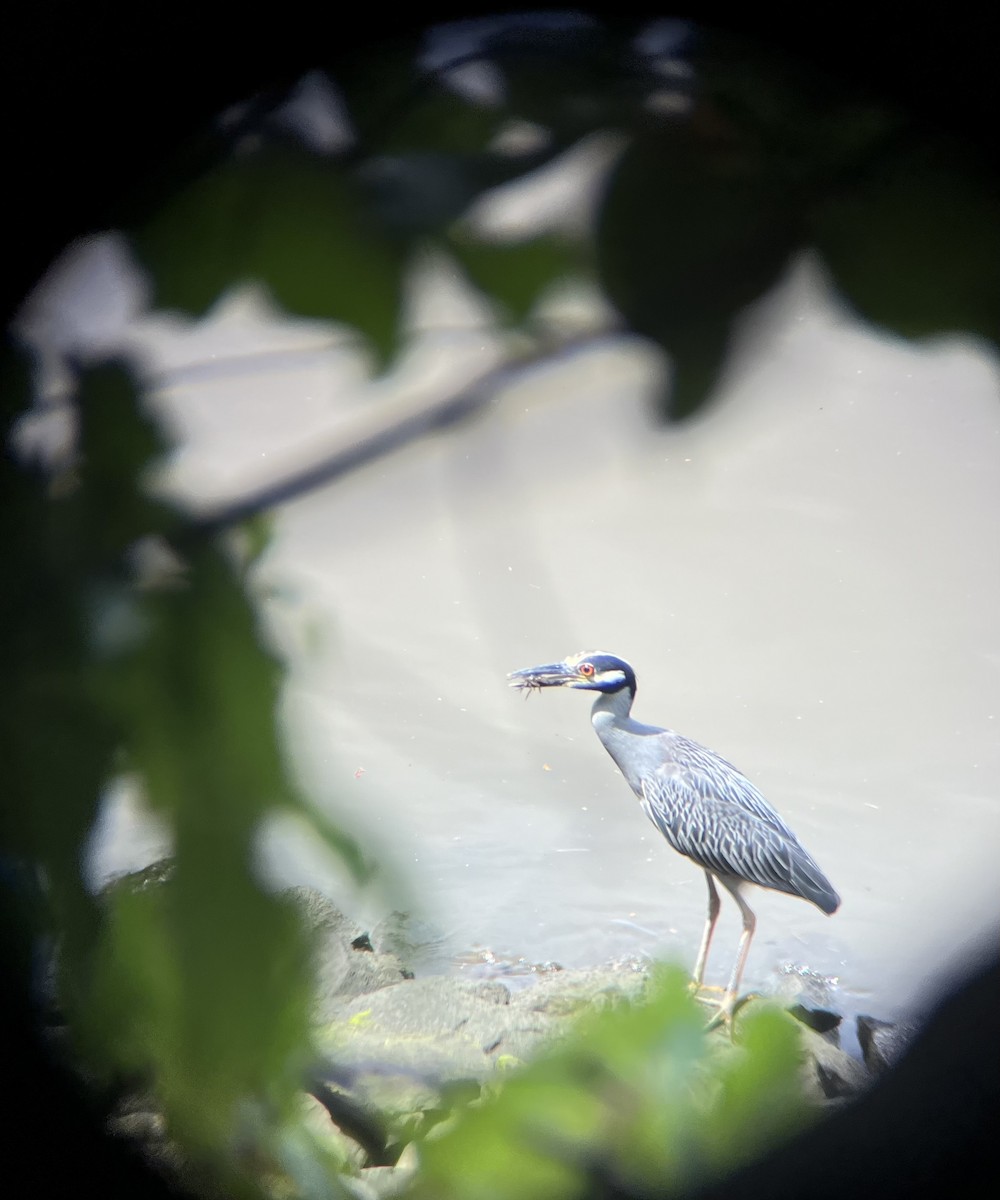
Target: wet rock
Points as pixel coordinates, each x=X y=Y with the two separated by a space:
x=820 y=1020
x=492 y=989
x=829 y=1073
x=565 y=993
x=882 y=1042
x=322 y=915
x=389 y=1181
x=421 y=947
x=927 y=1127
x=345 y=960
x=383 y=1181
x=356 y=1189
x=397 y=1056
x=432 y=1031
x=809 y=997
x=366 y=972
x=349 y=1151
x=407 y=1047
x=792 y=984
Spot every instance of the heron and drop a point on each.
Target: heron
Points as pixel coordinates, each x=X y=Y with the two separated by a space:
x=705 y=808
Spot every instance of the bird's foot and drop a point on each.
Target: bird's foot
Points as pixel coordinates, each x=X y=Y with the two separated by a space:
x=726 y=1011
x=723 y=1016
x=698 y=990
x=709 y=994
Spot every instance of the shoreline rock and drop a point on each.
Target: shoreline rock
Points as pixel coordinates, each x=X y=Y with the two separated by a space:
x=408 y=1046
x=396 y=1052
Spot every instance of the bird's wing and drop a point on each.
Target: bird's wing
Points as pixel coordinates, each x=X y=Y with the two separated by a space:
x=712 y=777
x=711 y=821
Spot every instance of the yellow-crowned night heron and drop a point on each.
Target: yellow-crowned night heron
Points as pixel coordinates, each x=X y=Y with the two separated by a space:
x=701 y=804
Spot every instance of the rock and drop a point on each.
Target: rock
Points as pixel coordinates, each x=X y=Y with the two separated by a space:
x=401 y=1047
x=928 y=1127
x=821 y=1020
x=808 y=996
x=384 y=1181
x=564 y=993
x=792 y=984
x=389 y=1181
x=321 y=914
x=883 y=1043
x=399 y=1056
x=339 y=1145
x=421 y=948
x=345 y=962
x=431 y=1031
x=357 y=1189
x=492 y=989
x=366 y=972
x=829 y=1073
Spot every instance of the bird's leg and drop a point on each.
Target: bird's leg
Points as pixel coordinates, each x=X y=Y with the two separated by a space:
x=706 y=937
x=728 y=1005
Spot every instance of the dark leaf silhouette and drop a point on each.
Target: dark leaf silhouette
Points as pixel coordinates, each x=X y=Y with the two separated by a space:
x=293 y=221
x=914 y=242
x=695 y=225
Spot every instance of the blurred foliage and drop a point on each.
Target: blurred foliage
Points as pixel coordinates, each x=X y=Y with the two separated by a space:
x=915 y=241
x=685 y=291
x=730 y=162
x=201 y=987
x=281 y=217
x=733 y=160
x=515 y=276
x=639 y=1101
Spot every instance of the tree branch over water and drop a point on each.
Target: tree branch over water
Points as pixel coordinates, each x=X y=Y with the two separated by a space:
x=408 y=422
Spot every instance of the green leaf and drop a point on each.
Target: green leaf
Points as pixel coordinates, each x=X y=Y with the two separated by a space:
x=257 y=533
x=636 y=1096
x=62 y=551
x=759 y=1100
x=431 y=119
x=517 y=274
x=914 y=242
x=203 y=982
x=108 y=510
x=199 y=984
x=290 y=220
x=694 y=226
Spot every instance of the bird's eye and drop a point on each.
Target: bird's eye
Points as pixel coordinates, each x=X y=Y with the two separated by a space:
x=586 y=669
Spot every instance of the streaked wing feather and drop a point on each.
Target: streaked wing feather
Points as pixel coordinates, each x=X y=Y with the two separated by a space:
x=712 y=777
x=730 y=830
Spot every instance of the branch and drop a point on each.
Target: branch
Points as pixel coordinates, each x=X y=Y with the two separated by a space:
x=389 y=438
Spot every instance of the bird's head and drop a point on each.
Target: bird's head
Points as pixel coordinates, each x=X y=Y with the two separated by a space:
x=591 y=671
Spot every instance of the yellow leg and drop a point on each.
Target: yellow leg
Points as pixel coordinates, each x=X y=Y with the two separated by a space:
x=706 y=937
x=730 y=1000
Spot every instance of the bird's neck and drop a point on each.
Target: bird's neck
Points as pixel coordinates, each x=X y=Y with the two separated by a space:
x=616 y=729
x=613 y=707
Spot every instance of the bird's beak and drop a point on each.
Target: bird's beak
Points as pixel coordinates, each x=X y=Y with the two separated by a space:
x=551 y=675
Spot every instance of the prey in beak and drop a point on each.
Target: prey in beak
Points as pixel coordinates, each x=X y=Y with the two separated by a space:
x=533 y=679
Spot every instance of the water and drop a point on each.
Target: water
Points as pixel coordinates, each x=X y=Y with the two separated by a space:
x=805 y=579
